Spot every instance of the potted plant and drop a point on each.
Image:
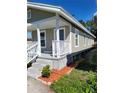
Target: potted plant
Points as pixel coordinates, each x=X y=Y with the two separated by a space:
x=45 y=71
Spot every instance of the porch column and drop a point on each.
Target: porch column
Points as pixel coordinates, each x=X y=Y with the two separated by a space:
x=70 y=41
x=39 y=43
x=57 y=35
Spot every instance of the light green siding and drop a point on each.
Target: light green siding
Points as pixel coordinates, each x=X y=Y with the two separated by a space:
x=39 y=15
x=82 y=44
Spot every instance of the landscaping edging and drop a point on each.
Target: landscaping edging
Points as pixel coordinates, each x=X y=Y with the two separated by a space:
x=56 y=74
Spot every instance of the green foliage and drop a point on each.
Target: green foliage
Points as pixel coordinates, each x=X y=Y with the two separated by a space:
x=83 y=23
x=94 y=58
x=46 y=71
x=90 y=85
x=82 y=79
x=91 y=25
x=82 y=82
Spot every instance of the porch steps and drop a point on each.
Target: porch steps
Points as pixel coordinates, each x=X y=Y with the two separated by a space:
x=34 y=70
x=44 y=61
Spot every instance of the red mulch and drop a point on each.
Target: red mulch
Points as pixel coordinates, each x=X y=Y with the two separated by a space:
x=56 y=74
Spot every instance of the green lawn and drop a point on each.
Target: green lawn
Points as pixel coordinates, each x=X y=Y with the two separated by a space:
x=81 y=80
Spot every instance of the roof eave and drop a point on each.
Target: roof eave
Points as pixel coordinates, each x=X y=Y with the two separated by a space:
x=60 y=11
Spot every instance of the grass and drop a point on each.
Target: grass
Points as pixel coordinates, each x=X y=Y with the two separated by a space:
x=81 y=80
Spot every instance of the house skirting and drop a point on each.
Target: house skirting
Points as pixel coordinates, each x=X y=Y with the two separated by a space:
x=55 y=63
x=59 y=63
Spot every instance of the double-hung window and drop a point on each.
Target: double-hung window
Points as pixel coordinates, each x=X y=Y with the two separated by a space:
x=76 y=38
x=43 y=39
x=29 y=14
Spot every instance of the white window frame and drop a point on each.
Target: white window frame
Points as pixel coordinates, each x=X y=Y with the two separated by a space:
x=76 y=33
x=59 y=30
x=84 y=41
x=29 y=14
x=43 y=31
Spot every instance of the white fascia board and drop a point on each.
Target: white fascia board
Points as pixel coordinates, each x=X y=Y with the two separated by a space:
x=43 y=8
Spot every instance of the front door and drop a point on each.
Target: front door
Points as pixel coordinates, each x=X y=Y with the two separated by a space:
x=43 y=38
x=61 y=34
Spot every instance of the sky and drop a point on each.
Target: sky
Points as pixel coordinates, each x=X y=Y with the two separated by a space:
x=80 y=9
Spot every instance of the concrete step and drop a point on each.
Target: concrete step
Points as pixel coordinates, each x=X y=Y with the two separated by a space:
x=33 y=72
x=44 y=61
x=38 y=65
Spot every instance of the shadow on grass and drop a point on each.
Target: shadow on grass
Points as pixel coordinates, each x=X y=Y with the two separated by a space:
x=86 y=66
x=90 y=61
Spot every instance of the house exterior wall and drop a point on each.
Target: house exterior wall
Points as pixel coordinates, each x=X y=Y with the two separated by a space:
x=84 y=42
x=41 y=14
x=37 y=15
x=50 y=37
x=34 y=35
x=67 y=33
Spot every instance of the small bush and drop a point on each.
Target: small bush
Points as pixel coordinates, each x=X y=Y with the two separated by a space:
x=46 y=71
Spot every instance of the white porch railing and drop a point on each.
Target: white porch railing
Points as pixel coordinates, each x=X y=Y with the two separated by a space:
x=32 y=51
x=60 y=47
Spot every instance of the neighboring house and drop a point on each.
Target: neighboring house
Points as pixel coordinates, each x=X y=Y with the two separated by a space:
x=57 y=37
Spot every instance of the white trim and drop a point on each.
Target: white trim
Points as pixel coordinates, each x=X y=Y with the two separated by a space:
x=39 y=43
x=76 y=33
x=60 y=29
x=29 y=12
x=43 y=31
x=70 y=39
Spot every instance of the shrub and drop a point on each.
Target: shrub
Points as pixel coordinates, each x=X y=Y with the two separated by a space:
x=90 y=85
x=46 y=71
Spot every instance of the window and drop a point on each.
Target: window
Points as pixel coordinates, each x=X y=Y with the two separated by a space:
x=29 y=14
x=76 y=38
x=43 y=39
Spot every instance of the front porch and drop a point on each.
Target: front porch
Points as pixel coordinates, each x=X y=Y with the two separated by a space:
x=50 y=38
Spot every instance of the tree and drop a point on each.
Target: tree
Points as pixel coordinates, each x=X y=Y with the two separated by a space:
x=91 y=25
x=82 y=22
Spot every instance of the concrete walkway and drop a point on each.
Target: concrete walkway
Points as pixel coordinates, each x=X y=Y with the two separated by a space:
x=35 y=86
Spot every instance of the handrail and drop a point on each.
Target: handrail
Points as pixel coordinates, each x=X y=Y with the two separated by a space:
x=60 y=47
x=32 y=52
x=32 y=46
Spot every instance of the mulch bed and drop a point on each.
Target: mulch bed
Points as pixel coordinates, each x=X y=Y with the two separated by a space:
x=56 y=74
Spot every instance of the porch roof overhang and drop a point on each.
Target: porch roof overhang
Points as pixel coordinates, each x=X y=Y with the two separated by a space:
x=45 y=24
x=60 y=11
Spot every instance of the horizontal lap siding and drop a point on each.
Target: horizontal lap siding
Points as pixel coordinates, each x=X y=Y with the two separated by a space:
x=37 y=15
x=34 y=35
x=82 y=43
x=50 y=37
x=67 y=38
